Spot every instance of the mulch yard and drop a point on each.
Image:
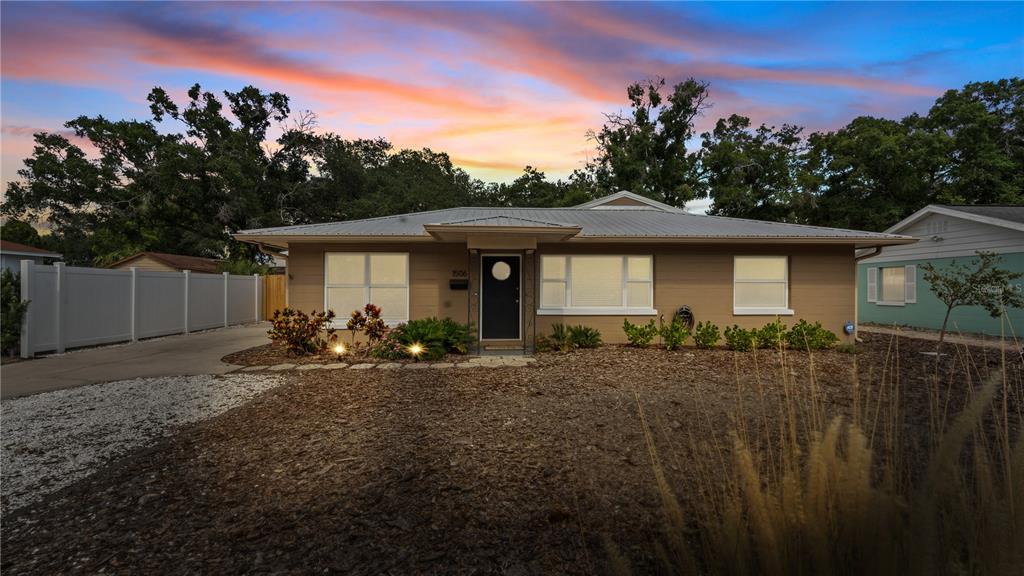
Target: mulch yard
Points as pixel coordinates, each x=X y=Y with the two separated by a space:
x=517 y=470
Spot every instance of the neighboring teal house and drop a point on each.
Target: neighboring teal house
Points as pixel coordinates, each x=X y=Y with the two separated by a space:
x=891 y=288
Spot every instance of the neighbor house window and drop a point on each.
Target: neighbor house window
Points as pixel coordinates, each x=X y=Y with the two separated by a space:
x=761 y=285
x=893 y=280
x=892 y=285
x=596 y=285
x=354 y=279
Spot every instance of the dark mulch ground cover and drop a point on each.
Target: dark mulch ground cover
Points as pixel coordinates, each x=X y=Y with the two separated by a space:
x=470 y=471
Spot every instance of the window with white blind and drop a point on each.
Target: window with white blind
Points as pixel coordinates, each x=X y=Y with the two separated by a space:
x=354 y=279
x=892 y=285
x=761 y=285
x=580 y=284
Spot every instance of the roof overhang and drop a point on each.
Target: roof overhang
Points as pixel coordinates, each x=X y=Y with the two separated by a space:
x=31 y=254
x=934 y=209
x=855 y=242
x=482 y=236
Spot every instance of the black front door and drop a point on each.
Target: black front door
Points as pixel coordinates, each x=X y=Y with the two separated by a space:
x=499 y=297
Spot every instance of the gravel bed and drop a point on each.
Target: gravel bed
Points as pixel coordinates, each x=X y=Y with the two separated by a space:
x=51 y=440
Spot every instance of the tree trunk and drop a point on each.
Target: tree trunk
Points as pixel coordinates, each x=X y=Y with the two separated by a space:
x=942 y=333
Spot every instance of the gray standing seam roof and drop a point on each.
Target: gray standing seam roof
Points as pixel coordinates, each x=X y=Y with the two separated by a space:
x=605 y=223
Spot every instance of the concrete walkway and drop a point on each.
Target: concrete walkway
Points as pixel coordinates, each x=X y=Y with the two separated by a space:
x=991 y=341
x=198 y=353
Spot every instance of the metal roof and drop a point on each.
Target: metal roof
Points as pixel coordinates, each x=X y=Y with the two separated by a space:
x=605 y=223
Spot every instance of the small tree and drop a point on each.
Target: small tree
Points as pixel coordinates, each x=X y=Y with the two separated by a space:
x=979 y=283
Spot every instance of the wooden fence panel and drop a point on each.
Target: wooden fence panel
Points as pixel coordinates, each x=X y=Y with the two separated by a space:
x=273 y=294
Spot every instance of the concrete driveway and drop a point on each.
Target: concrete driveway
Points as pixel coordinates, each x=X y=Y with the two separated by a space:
x=198 y=353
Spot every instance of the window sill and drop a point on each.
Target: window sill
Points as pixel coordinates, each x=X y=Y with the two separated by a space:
x=891 y=303
x=597 y=311
x=762 y=312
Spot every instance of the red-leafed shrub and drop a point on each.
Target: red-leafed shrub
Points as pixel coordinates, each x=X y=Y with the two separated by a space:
x=301 y=333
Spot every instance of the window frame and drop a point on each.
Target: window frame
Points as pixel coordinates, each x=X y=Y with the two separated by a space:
x=340 y=321
x=881 y=301
x=622 y=309
x=784 y=310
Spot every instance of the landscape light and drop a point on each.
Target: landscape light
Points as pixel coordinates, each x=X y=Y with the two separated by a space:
x=415 y=349
x=339 y=349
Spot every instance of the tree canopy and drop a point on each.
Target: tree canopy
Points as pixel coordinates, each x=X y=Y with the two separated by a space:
x=192 y=173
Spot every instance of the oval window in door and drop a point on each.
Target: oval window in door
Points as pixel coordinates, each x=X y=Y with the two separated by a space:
x=501 y=271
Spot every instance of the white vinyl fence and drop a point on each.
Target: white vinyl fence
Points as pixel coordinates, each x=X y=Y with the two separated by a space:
x=71 y=307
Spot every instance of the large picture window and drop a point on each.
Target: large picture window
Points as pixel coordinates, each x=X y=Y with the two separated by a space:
x=596 y=285
x=761 y=285
x=353 y=279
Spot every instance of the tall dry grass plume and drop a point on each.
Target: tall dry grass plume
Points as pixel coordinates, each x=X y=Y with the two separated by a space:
x=806 y=491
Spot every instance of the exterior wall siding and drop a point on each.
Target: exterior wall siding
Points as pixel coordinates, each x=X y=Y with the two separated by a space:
x=928 y=312
x=956 y=237
x=431 y=266
x=822 y=284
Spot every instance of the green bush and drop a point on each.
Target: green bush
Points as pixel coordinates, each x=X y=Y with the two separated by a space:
x=301 y=333
x=706 y=335
x=457 y=336
x=12 y=309
x=639 y=335
x=436 y=336
x=772 y=335
x=847 y=349
x=542 y=344
x=806 y=336
x=565 y=338
x=674 y=334
x=584 y=336
x=740 y=339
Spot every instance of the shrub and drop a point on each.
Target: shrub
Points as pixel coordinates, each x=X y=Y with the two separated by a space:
x=847 y=349
x=674 y=334
x=369 y=322
x=565 y=338
x=639 y=335
x=771 y=335
x=301 y=333
x=457 y=336
x=561 y=338
x=584 y=336
x=706 y=335
x=12 y=309
x=389 y=348
x=739 y=339
x=437 y=337
x=542 y=344
x=806 y=336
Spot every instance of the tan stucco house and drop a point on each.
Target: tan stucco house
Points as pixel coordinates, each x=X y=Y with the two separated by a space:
x=513 y=272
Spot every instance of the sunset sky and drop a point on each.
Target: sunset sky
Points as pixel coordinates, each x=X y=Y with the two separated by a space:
x=497 y=86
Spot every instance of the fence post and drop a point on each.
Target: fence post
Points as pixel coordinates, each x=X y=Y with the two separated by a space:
x=256 y=295
x=227 y=279
x=135 y=304
x=187 y=275
x=59 y=305
x=27 y=270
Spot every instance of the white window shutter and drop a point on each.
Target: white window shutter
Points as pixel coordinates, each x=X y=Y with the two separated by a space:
x=872 y=284
x=910 y=283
